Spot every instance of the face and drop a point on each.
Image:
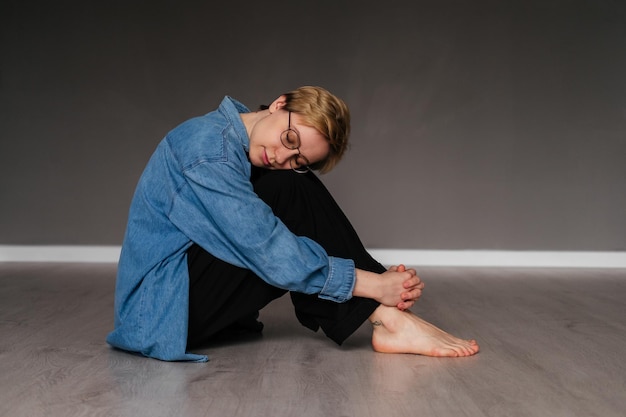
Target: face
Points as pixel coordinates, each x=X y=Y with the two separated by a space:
x=268 y=151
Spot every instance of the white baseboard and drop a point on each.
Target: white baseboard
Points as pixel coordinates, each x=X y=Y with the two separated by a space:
x=487 y=258
x=59 y=253
x=490 y=258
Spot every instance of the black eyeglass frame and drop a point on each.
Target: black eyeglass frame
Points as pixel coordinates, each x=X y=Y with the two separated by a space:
x=294 y=144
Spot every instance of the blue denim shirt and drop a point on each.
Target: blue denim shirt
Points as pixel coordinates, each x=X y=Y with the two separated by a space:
x=196 y=188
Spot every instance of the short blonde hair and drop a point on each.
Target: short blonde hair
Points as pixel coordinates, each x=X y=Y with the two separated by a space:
x=326 y=113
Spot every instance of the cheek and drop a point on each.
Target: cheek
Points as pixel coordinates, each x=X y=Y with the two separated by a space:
x=256 y=156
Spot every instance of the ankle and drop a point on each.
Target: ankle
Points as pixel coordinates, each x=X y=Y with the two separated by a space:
x=385 y=317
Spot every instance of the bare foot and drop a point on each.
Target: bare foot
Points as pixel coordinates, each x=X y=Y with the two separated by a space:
x=398 y=331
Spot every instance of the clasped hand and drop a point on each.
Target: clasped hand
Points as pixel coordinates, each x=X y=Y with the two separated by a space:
x=403 y=287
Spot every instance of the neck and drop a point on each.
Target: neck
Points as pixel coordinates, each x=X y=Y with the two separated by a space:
x=250 y=119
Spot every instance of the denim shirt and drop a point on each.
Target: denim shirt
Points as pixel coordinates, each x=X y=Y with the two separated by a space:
x=196 y=188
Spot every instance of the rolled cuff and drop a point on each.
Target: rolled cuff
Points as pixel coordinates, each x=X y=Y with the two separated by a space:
x=341 y=280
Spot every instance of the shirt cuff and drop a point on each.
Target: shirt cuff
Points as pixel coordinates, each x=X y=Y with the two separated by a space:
x=340 y=282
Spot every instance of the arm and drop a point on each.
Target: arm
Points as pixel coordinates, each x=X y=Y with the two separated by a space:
x=218 y=209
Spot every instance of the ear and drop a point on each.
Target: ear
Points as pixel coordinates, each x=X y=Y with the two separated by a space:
x=278 y=104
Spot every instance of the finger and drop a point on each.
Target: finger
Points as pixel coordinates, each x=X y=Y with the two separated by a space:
x=393 y=268
x=411 y=295
x=402 y=268
x=420 y=285
x=412 y=282
x=405 y=305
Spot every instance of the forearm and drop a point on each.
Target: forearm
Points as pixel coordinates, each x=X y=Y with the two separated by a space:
x=367 y=285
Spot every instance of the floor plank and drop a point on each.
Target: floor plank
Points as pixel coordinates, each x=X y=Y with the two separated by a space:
x=552 y=344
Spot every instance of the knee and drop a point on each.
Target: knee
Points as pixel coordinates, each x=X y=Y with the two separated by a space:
x=280 y=187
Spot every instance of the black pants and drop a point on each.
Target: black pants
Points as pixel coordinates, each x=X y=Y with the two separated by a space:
x=225 y=299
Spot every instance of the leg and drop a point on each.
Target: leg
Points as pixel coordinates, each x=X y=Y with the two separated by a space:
x=220 y=307
x=306 y=207
x=224 y=300
x=302 y=202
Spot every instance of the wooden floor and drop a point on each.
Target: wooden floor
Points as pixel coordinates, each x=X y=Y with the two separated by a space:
x=553 y=344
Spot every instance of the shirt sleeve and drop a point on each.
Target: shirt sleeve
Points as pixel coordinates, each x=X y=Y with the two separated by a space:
x=217 y=208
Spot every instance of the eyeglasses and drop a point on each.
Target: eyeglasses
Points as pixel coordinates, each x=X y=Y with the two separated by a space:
x=291 y=140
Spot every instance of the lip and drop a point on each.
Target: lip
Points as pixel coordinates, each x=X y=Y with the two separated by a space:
x=266 y=160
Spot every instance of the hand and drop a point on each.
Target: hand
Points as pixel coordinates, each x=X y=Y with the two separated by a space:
x=413 y=287
x=397 y=287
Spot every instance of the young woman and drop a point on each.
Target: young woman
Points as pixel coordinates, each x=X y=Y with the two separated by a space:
x=228 y=216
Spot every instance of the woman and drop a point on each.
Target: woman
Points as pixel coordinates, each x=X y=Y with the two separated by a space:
x=208 y=243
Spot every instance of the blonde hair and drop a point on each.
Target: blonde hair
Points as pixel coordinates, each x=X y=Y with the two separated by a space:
x=326 y=113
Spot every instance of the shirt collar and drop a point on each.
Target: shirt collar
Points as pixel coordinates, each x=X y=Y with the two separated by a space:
x=231 y=109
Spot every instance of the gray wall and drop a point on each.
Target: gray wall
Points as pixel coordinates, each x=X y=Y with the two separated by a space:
x=476 y=124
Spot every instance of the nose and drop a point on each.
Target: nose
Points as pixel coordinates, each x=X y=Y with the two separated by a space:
x=283 y=155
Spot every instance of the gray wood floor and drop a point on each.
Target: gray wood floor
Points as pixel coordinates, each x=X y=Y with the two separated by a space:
x=553 y=344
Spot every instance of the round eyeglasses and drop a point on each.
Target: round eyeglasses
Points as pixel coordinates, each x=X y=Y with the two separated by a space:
x=291 y=140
